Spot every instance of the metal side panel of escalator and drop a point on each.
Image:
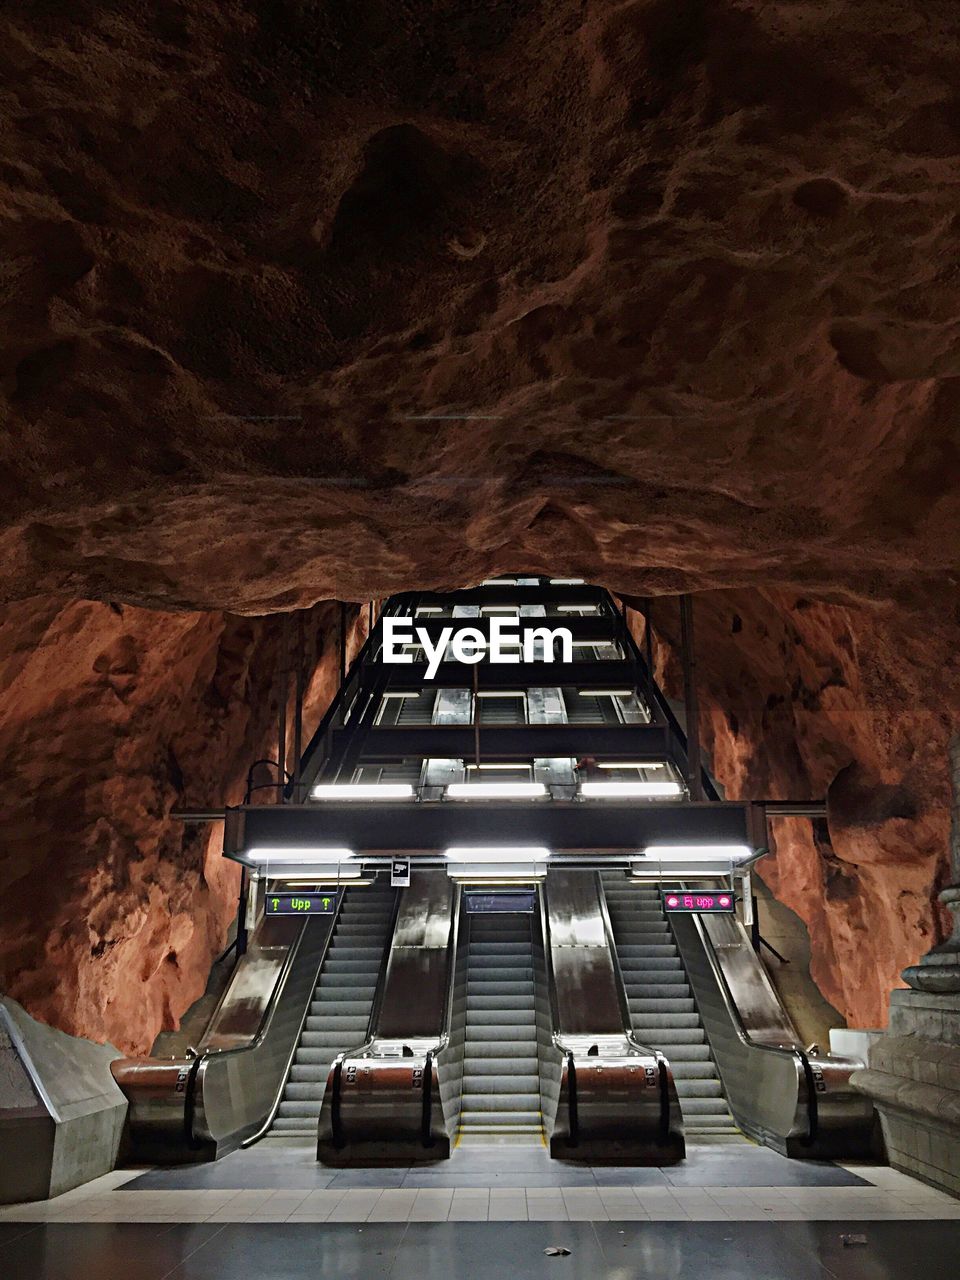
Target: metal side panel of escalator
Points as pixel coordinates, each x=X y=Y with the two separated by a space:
x=226 y=1092
x=798 y=1101
x=382 y=1102
x=617 y=1101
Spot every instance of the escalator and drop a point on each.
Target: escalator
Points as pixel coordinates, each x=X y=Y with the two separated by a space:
x=698 y=992
x=501 y=1086
x=340 y=1008
x=663 y=1011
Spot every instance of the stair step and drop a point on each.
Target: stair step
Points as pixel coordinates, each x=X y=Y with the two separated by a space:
x=514 y=1084
x=339 y=1012
x=498 y=1018
x=480 y=1065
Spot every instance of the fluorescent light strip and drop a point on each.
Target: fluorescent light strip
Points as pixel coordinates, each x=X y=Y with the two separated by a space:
x=363 y=791
x=497 y=853
x=697 y=852
x=606 y=693
x=631 y=764
x=500 y=693
x=615 y=790
x=321 y=881
x=278 y=853
x=495 y=790
x=567 y=582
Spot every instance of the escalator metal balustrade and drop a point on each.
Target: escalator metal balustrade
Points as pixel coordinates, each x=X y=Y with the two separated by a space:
x=341 y=1005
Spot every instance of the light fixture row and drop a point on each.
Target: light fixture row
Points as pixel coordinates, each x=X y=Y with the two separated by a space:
x=335 y=855
x=593 y=790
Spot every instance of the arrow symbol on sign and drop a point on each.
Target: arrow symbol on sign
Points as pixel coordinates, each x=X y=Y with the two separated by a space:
x=276 y=903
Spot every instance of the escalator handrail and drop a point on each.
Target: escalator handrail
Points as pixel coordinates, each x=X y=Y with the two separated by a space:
x=373 y=1021
x=218 y=1055
x=573 y=1108
x=744 y=1037
x=663 y=1081
x=426 y=1115
x=336 y=1119
x=264 y=1128
x=224 y=994
x=453 y=946
x=548 y=963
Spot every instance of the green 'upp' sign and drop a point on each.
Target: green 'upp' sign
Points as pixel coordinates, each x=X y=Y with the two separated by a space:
x=301 y=904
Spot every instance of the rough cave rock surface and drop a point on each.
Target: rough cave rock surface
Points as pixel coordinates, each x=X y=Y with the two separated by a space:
x=308 y=302
x=803 y=700
x=111 y=912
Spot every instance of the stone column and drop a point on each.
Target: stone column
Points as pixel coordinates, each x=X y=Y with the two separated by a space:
x=913 y=1075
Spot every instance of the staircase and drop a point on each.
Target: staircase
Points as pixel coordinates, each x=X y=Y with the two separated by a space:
x=501 y=1080
x=662 y=1007
x=340 y=1008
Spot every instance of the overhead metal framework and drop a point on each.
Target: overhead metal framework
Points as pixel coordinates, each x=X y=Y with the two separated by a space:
x=592 y=760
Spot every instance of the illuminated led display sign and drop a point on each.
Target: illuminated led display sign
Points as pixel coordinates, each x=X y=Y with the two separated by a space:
x=504 y=900
x=301 y=904
x=691 y=902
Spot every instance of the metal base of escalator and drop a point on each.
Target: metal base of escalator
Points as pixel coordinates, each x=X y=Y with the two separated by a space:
x=501 y=1083
x=663 y=1010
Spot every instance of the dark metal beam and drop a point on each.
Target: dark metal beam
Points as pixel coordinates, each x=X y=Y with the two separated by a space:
x=410 y=827
x=691 y=704
x=514 y=742
x=509 y=595
x=525 y=675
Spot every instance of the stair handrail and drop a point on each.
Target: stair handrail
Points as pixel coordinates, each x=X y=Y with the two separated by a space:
x=793 y=1050
x=275 y=1107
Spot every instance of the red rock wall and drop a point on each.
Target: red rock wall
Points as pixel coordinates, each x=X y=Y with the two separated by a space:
x=805 y=700
x=111 y=912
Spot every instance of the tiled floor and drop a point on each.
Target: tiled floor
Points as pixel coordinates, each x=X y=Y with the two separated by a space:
x=292 y=1168
x=712 y=1188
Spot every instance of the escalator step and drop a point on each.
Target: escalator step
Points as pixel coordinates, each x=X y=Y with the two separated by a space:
x=515 y=1085
x=477 y=1066
x=499 y=1004
x=697 y=1088
x=667 y=1006
x=493 y=1021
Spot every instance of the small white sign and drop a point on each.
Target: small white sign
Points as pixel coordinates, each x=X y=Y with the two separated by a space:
x=400 y=873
